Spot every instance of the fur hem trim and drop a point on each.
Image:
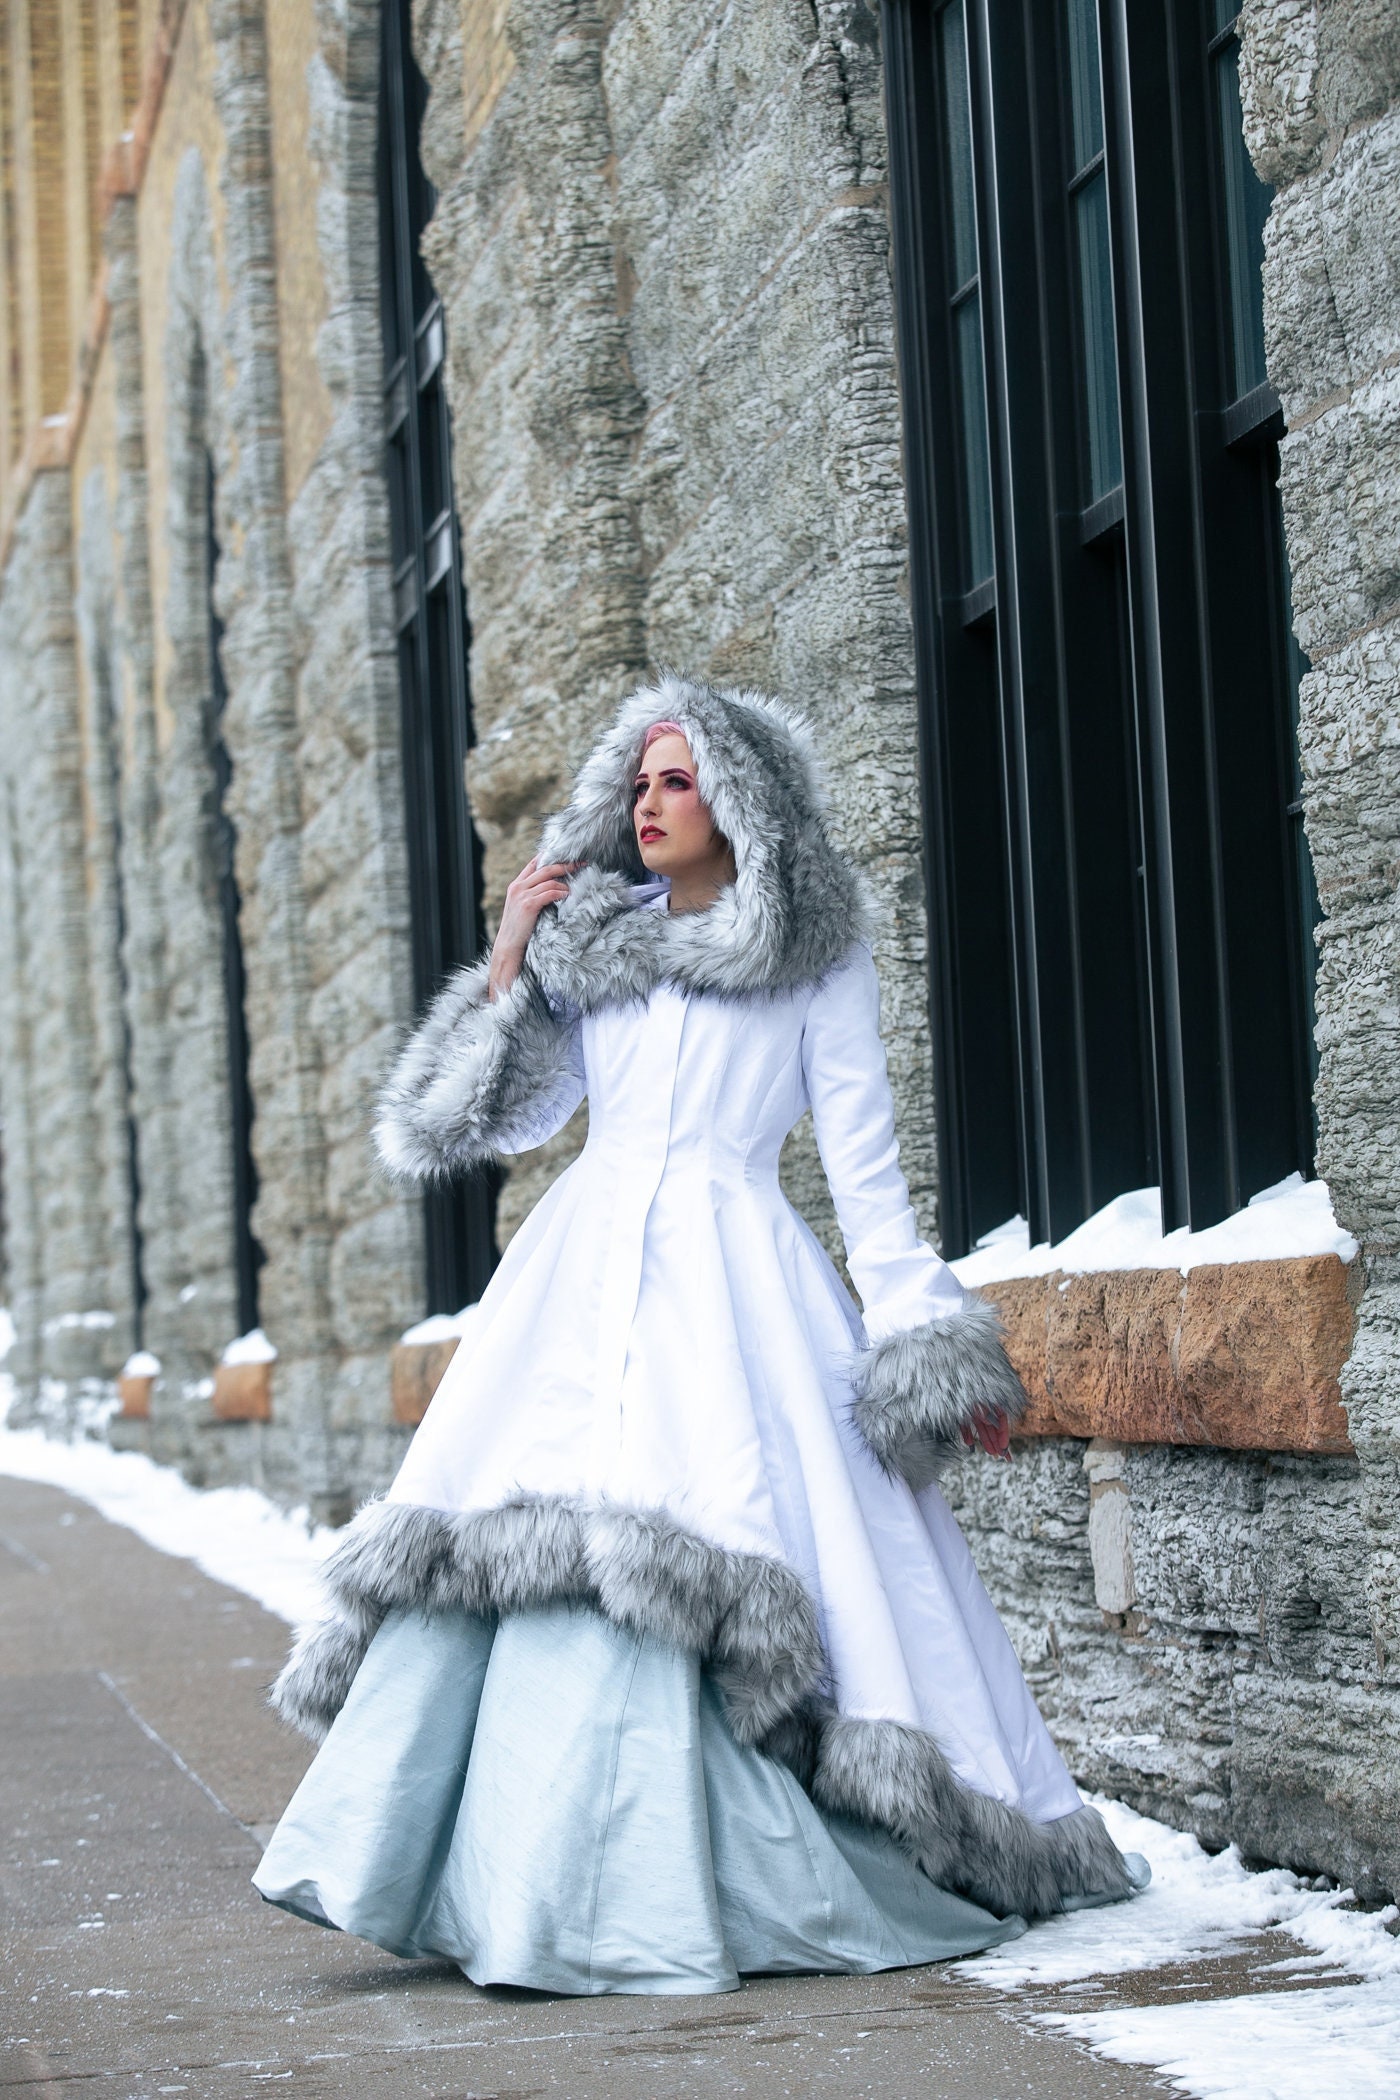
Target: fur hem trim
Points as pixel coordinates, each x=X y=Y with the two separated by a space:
x=466 y=1072
x=748 y=1617
x=898 y=1778
x=751 y=1622
x=917 y=1391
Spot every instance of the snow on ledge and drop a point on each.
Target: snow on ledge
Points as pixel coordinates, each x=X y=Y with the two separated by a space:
x=1293 y=1217
x=439 y=1327
x=251 y=1348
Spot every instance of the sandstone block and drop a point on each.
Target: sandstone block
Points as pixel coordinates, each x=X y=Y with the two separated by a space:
x=415 y=1373
x=243 y=1393
x=135 y=1396
x=1240 y=1356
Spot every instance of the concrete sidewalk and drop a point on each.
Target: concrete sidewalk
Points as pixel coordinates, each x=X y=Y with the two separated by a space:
x=140 y=1770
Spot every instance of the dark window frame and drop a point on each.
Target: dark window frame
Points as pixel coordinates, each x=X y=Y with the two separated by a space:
x=431 y=630
x=1121 y=995
x=248 y=1254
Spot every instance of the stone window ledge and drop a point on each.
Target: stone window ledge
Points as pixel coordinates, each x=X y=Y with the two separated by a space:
x=1243 y=1356
x=1240 y=1355
x=415 y=1372
x=242 y=1393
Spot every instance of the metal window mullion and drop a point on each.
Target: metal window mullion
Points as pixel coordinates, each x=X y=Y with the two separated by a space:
x=1171 y=668
x=1048 y=959
x=970 y=1002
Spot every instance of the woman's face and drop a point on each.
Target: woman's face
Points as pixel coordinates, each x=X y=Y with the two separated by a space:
x=675 y=833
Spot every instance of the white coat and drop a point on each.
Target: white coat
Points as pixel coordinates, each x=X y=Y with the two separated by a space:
x=666 y=1403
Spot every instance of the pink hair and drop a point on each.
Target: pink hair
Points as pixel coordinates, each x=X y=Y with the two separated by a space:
x=661 y=729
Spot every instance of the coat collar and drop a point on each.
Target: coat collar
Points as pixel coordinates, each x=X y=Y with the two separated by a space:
x=792 y=915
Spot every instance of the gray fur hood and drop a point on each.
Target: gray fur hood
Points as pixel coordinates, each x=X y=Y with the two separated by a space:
x=797 y=905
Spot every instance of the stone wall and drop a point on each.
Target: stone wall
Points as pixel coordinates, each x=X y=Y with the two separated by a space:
x=663 y=248
x=1231 y=1657
x=210 y=301
x=60 y=1279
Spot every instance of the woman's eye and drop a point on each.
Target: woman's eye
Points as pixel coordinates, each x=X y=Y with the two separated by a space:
x=678 y=782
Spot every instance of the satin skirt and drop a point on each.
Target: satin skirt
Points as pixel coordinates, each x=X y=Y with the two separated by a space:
x=552 y=1801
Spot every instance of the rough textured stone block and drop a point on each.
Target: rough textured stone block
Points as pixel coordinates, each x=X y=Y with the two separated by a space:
x=1243 y=1356
x=242 y=1393
x=134 y=1394
x=416 y=1372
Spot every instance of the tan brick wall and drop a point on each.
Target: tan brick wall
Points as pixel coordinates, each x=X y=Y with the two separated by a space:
x=301 y=288
x=487 y=62
x=188 y=122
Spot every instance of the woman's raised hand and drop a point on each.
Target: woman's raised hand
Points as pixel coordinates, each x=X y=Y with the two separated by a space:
x=526 y=898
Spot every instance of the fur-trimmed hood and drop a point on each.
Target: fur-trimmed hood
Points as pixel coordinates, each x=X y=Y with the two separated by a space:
x=796 y=908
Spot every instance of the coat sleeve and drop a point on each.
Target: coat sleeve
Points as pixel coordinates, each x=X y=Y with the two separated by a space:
x=934 y=1359
x=479 y=1078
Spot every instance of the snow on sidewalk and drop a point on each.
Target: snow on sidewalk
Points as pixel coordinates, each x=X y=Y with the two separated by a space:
x=1289 y=2044
x=233 y=1534
x=1285 y=2045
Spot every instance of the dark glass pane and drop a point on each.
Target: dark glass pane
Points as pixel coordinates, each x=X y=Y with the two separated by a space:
x=1100 y=350
x=957 y=118
x=1246 y=208
x=977 y=483
x=1222 y=14
x=1085 y=82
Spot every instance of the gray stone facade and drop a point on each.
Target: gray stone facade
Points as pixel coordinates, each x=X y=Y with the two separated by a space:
x=662 y=243
x=1249 y=1688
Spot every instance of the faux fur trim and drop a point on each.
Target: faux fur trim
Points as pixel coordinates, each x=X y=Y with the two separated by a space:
x=470 y=1067
x=797 y=906
x=753 y=1626
x=918 y=1390
x=898 y=1779
x=747 y=1616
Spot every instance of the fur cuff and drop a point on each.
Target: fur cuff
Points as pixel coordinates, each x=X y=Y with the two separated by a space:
x=466 y=1073
x=917 y=1391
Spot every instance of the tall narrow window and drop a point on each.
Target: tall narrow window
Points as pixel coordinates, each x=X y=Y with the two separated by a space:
x=248 y=1254
x=964 y=299
x=1119 y=894
x=430 y=616
x=1088 y=189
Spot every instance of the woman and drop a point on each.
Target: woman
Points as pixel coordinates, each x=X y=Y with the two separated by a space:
x=663 y=1658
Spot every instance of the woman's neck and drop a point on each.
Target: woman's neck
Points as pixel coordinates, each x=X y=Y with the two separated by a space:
x=696 y=889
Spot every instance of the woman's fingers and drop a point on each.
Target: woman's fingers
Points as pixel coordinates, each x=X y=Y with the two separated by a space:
x=991 y=1431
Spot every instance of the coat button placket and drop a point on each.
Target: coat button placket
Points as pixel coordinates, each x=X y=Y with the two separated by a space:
x=651 y=1098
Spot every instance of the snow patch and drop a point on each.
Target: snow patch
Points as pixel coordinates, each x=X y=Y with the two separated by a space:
x=141 y=1365
x=251 y=1348
x=233 y=1534
x=63 y=1323
x=1293 y=1217
x=1270 y=2045
x=440 y=1327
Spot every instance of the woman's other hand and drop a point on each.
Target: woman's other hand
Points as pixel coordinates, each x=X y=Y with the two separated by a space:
x=526 y=898
x=992 y=1431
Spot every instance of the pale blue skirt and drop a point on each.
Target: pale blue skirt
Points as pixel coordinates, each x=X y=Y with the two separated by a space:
x=554 y=1802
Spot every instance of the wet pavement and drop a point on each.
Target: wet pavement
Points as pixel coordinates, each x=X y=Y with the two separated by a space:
x=140 y=1771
